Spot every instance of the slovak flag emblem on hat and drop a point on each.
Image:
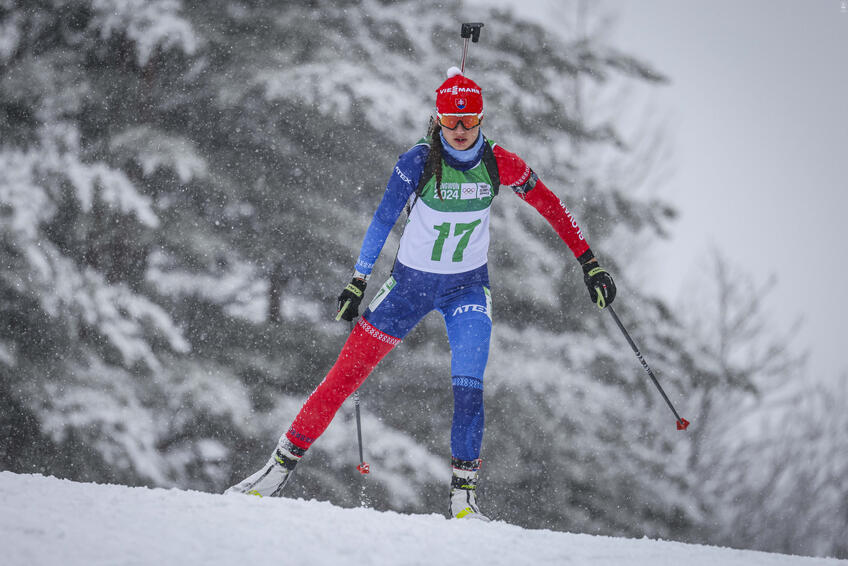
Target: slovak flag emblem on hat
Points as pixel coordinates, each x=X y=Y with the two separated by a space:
x=460 y=103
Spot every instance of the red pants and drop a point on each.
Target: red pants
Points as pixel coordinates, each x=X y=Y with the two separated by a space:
x=363 y=350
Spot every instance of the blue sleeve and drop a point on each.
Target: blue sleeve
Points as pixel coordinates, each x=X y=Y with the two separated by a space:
x=400 y=187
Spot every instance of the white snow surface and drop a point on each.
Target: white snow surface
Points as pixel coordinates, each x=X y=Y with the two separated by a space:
x=44 y=520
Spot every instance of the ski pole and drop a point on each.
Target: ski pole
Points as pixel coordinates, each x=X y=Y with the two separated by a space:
x=472 y=32
x=681 y=422
x=363 y=466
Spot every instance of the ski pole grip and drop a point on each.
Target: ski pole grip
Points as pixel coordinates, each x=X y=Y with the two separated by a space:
x=471 y=30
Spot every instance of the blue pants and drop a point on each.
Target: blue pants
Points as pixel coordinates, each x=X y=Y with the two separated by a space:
x=464 y=301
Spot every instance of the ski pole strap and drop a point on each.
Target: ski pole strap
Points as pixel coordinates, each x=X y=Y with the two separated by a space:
x=599 y=296
x=601 y=302
x=344 y=308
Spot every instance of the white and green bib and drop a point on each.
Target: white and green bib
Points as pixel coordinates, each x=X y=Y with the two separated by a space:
x=451 y=234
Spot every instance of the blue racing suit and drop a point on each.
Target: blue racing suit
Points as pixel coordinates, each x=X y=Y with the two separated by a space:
x=442 y=261
x=463 y=299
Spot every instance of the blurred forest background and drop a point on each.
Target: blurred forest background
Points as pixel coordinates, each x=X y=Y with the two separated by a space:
x=184 y=187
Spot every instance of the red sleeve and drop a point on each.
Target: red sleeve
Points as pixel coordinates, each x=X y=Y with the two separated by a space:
x=517 y=175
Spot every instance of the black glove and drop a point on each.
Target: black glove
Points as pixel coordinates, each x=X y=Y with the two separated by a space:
x=600 y=284
x=348 y=302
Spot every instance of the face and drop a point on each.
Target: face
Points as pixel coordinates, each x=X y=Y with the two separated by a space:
x=460 y=138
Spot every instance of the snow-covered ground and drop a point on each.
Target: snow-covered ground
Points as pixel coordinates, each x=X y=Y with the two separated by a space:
x=49 y=521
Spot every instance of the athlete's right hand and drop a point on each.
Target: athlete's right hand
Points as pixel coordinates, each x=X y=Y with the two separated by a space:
x=348 y=302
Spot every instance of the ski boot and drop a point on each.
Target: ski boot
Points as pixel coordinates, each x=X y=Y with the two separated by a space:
x=463 y=494
x=272 y=477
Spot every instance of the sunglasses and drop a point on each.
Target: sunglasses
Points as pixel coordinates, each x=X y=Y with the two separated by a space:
x=451 y=121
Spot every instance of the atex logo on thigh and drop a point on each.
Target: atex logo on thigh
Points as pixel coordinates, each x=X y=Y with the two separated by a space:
x=470 y=308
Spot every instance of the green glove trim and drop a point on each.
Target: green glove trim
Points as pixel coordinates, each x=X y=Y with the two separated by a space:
x=353 y=289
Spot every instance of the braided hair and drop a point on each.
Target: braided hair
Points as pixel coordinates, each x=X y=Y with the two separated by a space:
x=434 y=159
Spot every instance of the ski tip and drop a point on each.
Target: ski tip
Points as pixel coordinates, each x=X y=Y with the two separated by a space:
x=364 y=468
x=682 y=424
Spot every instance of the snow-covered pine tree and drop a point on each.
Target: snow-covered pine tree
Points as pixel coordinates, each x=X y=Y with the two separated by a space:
x=767 y=456
x=785 y=466
x=260 y=136
x=89 y=345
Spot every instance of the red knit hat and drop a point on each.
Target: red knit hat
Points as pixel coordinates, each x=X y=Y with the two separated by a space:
x=459 y=95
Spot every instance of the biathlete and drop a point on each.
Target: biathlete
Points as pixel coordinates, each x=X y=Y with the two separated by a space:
x=451 y=177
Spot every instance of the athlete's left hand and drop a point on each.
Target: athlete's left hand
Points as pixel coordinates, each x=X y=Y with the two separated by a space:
x=600 y=284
